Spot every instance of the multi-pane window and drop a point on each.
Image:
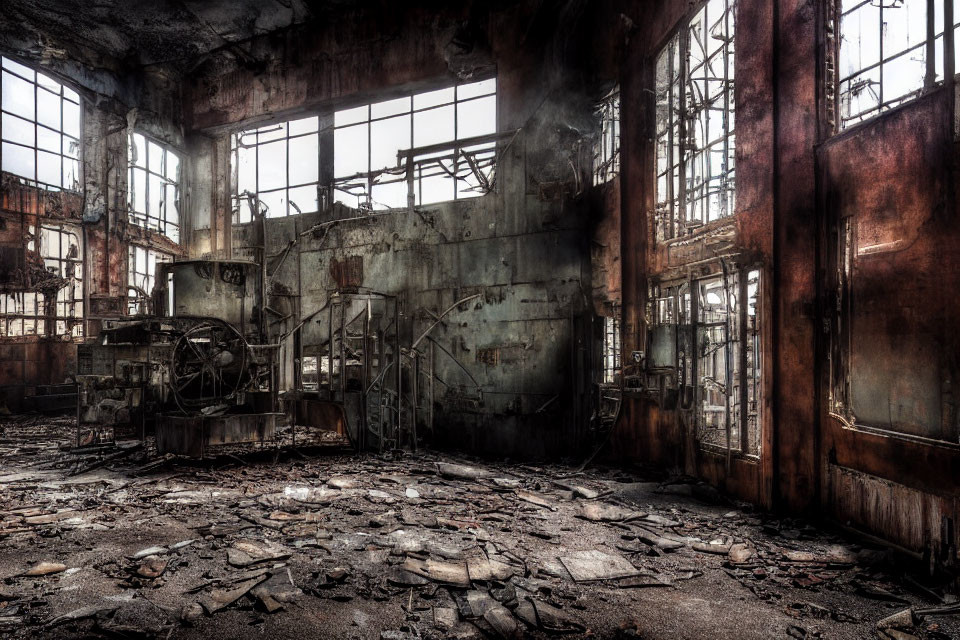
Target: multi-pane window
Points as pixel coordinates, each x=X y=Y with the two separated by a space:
x=55 y=304
x=695 y=140
x=367 y=170
x=611 y=349
x=884 y=53
x=154 y=187
x=277 y=169
x=62 y=255
x=141 y=276
x=728 y=361
x=39 y=128
x=606 y=150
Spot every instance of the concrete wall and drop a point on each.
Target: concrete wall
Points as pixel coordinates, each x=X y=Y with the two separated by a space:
x=526 y=248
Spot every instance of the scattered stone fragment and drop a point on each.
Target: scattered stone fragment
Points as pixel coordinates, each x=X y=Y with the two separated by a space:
x=445 y=618
x=533 y=498
x=602 y=512
x=152 y=567
x=81 y=614
x=444 y=572
x=502 y=621
x=739 y=554
x=44 y=569
x=342 y=482
x=245 y=553
x=461 y=472
x=149 y=551
x=219 y=598
x=275 y=592
x=480 y=568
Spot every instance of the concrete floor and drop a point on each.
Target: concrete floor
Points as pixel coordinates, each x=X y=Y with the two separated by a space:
x=348 y=546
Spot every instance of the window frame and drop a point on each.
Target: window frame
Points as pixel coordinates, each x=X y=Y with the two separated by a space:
x=373 y=174
x=671 y=217
x=606 y=149
x=484 y=154
x=38 y=126
x=236 y=143
x=145 y=219
x=65 y=318
x=133 y=273
x=939 y=44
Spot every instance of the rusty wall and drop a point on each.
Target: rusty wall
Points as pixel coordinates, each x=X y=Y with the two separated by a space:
x=891 y=434
x=112 y=105
x=860 y=417
x=652 y=427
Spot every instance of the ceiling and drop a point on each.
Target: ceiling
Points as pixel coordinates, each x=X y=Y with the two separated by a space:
x=142 y=32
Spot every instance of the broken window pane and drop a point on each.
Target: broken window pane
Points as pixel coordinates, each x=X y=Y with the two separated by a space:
x=28 y=98
x=611 y=349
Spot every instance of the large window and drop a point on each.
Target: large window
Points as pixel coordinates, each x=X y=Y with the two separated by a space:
x=606 y=150
x=39 y=128
x=141 y=276
x=695 y=177
x=154 y=187
x=367 y=170
x=890 y=51
x=277 y=169
x=54 y=305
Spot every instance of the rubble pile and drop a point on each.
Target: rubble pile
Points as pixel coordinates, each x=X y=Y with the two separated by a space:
x=424 y=546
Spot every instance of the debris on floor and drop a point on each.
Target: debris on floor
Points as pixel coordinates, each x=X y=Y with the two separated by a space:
x=418 y=546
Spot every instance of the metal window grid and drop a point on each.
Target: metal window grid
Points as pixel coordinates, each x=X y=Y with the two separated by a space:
x=875 y=78
x=449 y=164
x=28 y=312
x=160 y=214
x=252 y=141
x=695 y=139
x=606 y=150
x=55 y=146
x=142 y=271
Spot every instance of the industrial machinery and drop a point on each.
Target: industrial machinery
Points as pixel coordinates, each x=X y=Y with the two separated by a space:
x=197 y=371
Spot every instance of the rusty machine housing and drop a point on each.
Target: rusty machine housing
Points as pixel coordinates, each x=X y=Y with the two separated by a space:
x=196 y=372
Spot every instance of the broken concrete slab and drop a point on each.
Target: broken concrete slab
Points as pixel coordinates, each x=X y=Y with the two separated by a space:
x=217 y=599
x=244 y=552
x=603 y=512
x=592 y=565
x=454 y=573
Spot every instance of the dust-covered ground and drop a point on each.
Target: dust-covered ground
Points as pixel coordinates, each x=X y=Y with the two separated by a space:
x=115 y=542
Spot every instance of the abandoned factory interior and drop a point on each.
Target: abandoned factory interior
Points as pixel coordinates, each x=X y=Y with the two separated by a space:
x=402 y=320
